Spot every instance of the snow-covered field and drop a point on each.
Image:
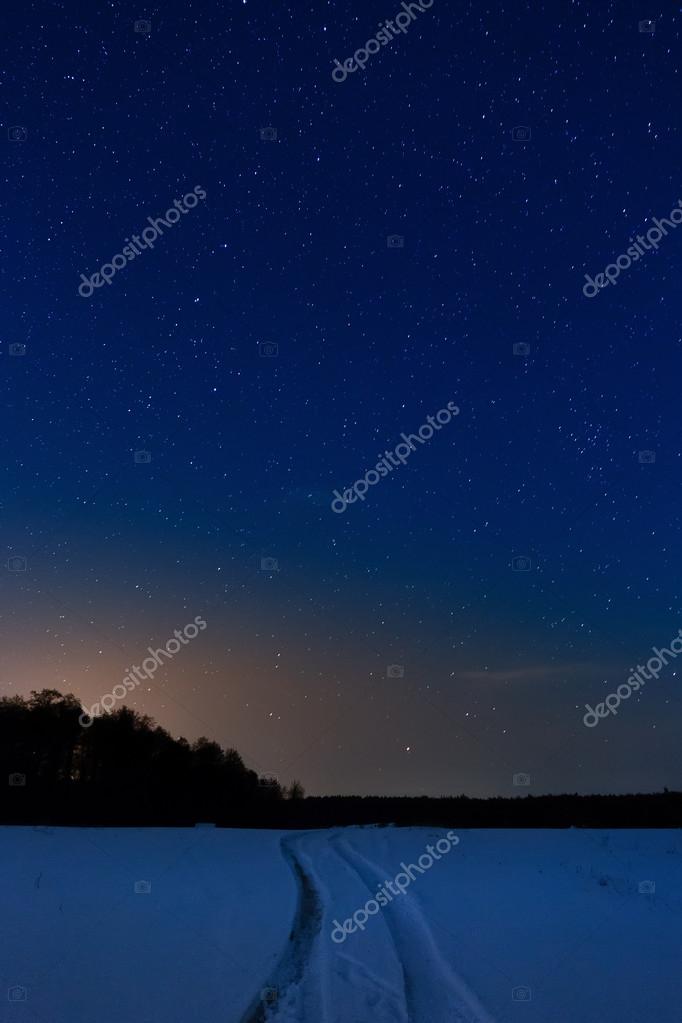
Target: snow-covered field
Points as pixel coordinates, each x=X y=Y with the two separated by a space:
x=171 y=925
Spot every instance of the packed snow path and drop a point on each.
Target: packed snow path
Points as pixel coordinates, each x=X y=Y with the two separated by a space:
x=393 y=972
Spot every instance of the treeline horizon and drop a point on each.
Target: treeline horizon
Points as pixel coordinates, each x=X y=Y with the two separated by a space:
x=125 y=770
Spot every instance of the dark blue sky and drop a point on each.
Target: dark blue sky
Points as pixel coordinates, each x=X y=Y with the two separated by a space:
x=289 y=248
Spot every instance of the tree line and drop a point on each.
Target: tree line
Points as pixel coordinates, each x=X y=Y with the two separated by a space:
x=122 y=769
x=125 y=770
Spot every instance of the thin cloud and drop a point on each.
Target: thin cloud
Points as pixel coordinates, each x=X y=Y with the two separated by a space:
x=530 y=673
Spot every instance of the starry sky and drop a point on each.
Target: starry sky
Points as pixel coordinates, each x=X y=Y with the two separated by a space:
x=273 y=344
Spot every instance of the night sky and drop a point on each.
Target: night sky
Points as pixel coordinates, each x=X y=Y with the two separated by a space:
x=273 y=344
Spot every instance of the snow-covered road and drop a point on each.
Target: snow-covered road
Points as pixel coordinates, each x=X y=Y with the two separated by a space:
x=392 y=973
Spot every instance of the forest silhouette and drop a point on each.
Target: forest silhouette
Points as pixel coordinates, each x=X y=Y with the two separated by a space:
x=125 y=770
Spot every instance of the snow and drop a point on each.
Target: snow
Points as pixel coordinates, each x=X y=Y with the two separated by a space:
x=88 y=948
x=557 y=916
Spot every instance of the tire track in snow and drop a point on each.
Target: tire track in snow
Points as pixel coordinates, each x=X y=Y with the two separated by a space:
x=367 y=988
x=434 y=993
x=290 y=975
x=316 y=981
x=431 y=990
